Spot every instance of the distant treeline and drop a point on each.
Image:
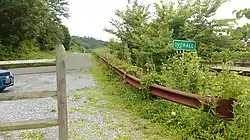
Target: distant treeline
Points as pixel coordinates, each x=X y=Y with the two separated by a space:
x=85 y=44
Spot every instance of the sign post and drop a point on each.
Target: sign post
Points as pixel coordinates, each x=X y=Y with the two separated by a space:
x=184 y=45
x=183 y=52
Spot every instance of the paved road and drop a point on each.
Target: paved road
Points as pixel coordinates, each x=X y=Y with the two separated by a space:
x=44 y=78
x=73 y=62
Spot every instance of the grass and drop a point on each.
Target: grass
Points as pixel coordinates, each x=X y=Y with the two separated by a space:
x=116 y=117
x=177 y=121
x=114 y=96
x=104 y=100
x=34 y=135
x=45 y=55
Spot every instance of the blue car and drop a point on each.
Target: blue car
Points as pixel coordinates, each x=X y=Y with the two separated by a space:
x=6 y=79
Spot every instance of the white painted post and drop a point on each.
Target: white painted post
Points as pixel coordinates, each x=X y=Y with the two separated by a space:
x=61 y=93
x=183 y=52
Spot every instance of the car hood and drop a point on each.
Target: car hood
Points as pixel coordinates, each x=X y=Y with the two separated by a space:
x=2 y=71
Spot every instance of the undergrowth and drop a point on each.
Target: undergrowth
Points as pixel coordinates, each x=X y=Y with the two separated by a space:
x=26 y=50
x=35 y=135
x=184 y=122
x=190 y=76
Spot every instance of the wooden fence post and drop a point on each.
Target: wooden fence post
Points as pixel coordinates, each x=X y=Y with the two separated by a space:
x=61 y=93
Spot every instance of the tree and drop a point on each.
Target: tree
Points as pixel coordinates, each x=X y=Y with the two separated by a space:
x=149 y=36
x=243 y=32
x=85 y=43
x=20 y=20
x=67 y=37
x=36 y=21
x=58 y=8
x=243 y=12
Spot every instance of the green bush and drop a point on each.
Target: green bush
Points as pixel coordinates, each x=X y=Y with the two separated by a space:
x=6 y=53
x=145 y=50
x=27 y=49
x=190 y=77
x=235 y=56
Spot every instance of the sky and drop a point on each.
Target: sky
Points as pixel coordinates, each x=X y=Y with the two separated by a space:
x=90 y=17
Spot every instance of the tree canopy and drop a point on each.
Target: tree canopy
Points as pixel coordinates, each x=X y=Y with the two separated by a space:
x=26 y=23
x=150 y=35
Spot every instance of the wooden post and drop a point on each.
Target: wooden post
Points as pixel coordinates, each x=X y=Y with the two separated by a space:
x=61 y=93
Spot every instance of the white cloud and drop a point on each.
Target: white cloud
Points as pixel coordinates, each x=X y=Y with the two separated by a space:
x=90 y=17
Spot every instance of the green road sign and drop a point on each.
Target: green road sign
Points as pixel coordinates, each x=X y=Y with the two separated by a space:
x=184 y=45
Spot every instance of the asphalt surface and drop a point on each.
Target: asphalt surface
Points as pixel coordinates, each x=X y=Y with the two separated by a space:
x=73 y=62
x=44 y=78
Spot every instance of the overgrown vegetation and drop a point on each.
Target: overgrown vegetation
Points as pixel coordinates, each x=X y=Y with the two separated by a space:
x=148 y=36
x=178 y=120
x=144 y=49
x=34 y=135
x=99 y=103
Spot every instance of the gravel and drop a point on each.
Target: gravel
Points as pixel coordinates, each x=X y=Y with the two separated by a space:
x=89 y=123
x=34 y=109
x=92 y=125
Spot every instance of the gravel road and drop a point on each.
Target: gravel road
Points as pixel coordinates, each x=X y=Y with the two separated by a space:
x=34 y=109
x=86 y=121
x=44 y=79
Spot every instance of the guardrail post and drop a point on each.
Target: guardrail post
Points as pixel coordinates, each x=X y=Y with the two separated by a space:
x=61 y=93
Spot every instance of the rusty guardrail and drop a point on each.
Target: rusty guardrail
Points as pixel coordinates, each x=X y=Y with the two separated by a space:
x=239 y=64
x=224 y=107
x=242 y=64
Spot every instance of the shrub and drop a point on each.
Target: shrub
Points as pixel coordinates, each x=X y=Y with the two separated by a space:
x=190 y=77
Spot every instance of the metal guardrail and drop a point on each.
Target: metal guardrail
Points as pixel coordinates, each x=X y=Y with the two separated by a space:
x=38 y=61
x=242 y=64
x=224 y=107
x=245 y=71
